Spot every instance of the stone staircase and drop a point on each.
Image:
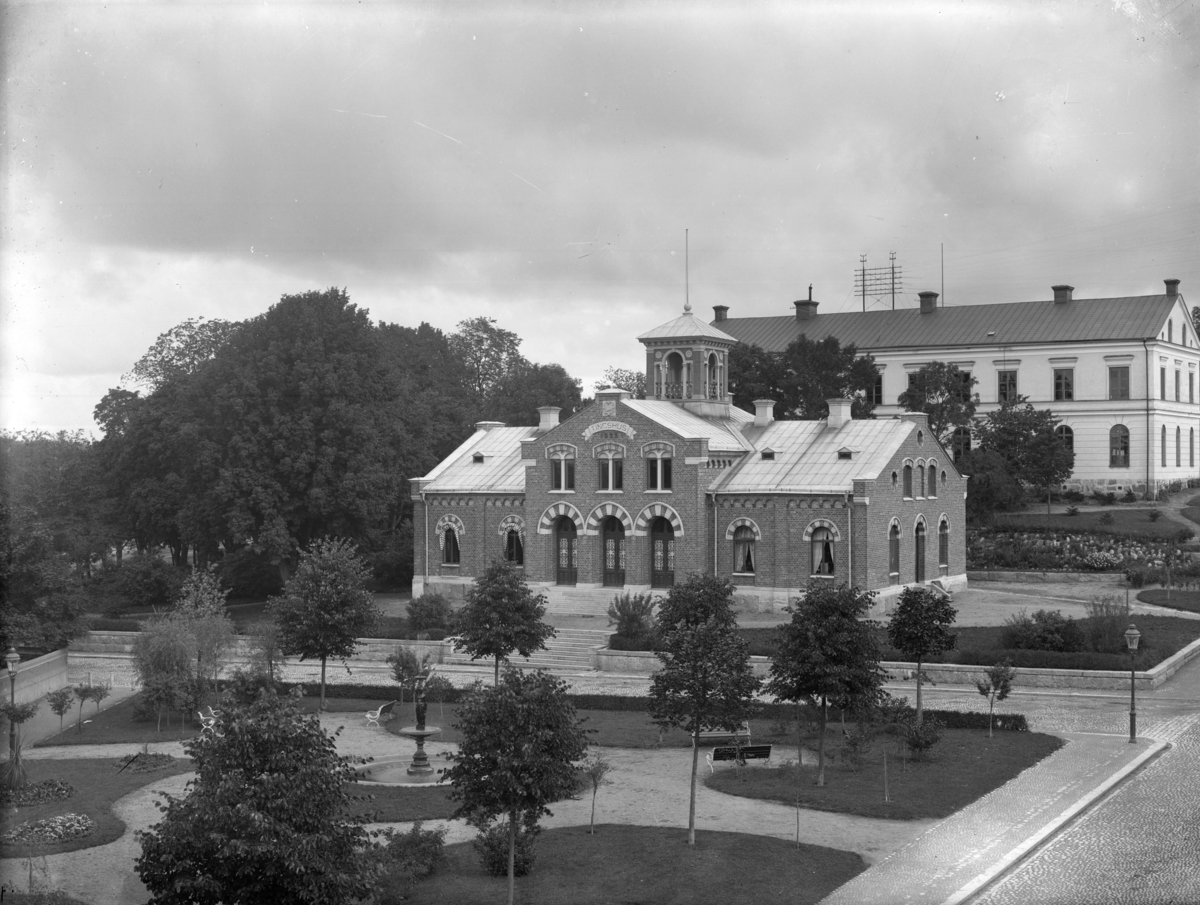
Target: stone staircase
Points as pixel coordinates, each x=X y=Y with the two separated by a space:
x=567 y=652
x=566 y=601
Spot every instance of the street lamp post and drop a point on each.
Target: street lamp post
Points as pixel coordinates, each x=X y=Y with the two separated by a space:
x=1132 y=636
x=12 y=658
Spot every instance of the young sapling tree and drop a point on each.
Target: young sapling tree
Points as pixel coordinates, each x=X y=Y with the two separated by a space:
x=996 y=686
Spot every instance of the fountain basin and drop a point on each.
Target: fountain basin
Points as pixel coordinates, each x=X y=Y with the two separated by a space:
x=393 y=771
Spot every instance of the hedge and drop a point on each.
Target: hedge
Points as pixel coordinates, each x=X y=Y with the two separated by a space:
x=100 y=624
x=951 y=719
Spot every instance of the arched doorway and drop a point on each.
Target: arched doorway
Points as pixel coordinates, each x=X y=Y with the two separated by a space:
x=612 y=545
x=919 y=553
x=662 y=553
x=566 y=545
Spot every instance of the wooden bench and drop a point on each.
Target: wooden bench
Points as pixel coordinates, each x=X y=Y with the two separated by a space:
x=731 y=752
x=384 y=712
x=720 y=735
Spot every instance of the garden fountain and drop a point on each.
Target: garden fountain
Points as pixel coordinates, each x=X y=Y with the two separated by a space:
x=388 y=770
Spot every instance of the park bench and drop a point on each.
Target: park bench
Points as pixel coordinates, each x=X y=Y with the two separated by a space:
x=739 y=755
x=209 y=723
x=384 y=712
x=720 y=735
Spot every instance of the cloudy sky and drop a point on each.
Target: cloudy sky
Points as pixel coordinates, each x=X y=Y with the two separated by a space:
x=539 y=162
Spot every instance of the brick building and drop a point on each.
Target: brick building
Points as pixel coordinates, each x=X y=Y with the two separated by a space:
x=629 y=493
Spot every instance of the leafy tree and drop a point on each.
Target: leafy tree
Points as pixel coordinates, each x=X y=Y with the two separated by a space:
x=595 y=774
x=706 y=681
x=263 y=820
x=520 y=742
x=60 y=702
x=1024 y=437
x=943 y=392
x=802 y=377
x=918 y=628
x=488 y=353
x=180 y=351
x=326 y=606
x=992 y=487
x=201 y=605
x=827 y=655
x=162 y=658
x=516 y=398
x=99 y=693
x=633 y=382
x=501 y=616
x=407 y=670
x=996 y=686
x=266 y=647
x=83 y=693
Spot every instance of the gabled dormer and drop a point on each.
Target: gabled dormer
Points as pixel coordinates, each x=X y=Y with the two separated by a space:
x=687 y=363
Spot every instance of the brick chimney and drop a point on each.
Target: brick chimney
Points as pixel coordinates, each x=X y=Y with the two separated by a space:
x=549 y=416
x=720 y=312
x=764 y=412
x=839 y=412
x=928 y=301
x=1172 y=288
x=1062 y=293
x=806 y=309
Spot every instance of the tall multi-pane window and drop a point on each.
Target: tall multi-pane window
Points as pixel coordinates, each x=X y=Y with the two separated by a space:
x=1066 y=436
x=932 y=492
x=944 y=547
x=743 y=549
x=877 y=390
x=658 y=474
x=822 y=552
x=1191 y=447
x=960 y=442
x=450 y=553
x=1163 y=445
x=1006 y=390
x=894 y=554
x=1064 y=384
x=1178 y=447
x=920 y=480
x=562 y=474
x=1162 y=384
x=514 y=549
x=612 y=473
x=908 y=480
x=966 y=385
x=1118 y=446
x=1178 y=383
x=1118 y=382
x=1191 y=386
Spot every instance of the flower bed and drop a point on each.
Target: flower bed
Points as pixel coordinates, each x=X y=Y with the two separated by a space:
x=1049 y=551
x=50 y=830
x=37 y=793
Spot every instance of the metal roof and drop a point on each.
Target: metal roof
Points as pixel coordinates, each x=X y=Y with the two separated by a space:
x=501 y=469
x=722 y=434
x=686 y=326
x=1077 y=320
x=806 y=456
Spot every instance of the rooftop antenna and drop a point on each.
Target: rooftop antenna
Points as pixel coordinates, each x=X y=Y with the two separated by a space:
x=687 y=302
x=943 y=247
x=878 y=282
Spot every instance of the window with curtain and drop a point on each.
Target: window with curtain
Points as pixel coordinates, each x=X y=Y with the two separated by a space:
x=514 y=550
x=743 y=549
x=894 y=553
x=1118 y=446
x=450 y=553
x=822 y=552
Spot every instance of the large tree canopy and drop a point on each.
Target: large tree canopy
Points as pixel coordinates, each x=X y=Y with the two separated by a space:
x=943 y=392
x=802 y=377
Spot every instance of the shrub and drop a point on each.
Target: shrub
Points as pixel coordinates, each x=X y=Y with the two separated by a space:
x=146 y=581
x=492 y=845
x=1045 y=630
x=921 y=737
x=1107 y=518
x=632 y=614
x=1101 y=562
x=1072 y=496
x=429 y=611
x=1105 y=499
x=419 y=853
x=1129 y=497
x=621 y=642
x=1154 y=515
x=248 y=574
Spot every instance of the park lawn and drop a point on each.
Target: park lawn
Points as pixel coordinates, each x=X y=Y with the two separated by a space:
x=397 y=804
x=645 y=864
x=97 y=784
x=964 y=766
x=1188 y=601
x=1126 y=522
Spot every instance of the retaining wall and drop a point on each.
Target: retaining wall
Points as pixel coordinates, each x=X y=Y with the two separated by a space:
x=36 y=677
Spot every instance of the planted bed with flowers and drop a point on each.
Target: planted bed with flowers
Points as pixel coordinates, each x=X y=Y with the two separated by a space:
x=1048 y=551
x=49 y=830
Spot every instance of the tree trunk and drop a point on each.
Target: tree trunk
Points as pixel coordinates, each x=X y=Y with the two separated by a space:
x=991 y=708
x=821 y=744
x=496 y=677
x=918 y=691
x=323 y=684
x=512 y=855
x=592 y=823
x=692 y=803
x=799 y=768
x=1047 y=499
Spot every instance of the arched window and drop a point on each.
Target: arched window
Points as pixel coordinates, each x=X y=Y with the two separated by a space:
x=1066 y=436
x=1191 y=447
x=894 y=553
x=514 y=549
x=662 y=553
x=932 y=480
x=920 y=480
x=562 y=467
x=450 y=553
x=822 y=552
x=743 y=549
x=673 y=376
x=612 y=545
x=960 y=443
x=919 y=553
x=1163 y=444
x=908 y=480
x=566 y=541
x=1118 y=446
x=944 y=547
x=1178 y=447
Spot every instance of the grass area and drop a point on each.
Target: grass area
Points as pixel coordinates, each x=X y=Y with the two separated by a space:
x=964 y=766
x=1126 y=522
x=646 y=864
x=394 y=804
x=1189 y=601
x=98 y=784
x=1191 y=511
x=1162 y=637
